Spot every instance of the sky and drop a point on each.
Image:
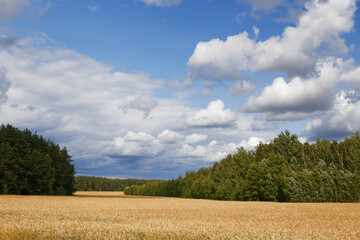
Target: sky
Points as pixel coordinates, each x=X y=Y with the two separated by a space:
x=154 y=88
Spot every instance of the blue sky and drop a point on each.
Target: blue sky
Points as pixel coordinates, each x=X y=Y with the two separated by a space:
x=155 y=88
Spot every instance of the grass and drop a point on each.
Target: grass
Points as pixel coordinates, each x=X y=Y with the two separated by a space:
x=111 y=215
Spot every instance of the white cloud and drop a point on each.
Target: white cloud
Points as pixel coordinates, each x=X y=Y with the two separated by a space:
x=251 y=143
x=216 y=57
x=9 y=8
x=168 y=136
x=213 y=152
x=193 y=152
x=98 y=112
x=321 y=25
x=289 y=101
x=181 y=150
x=295 y=52
x=74 y=100
x=352 y=76
x=303 y=140
x=341 y=121
x=162 y=3
x=136 y=144
x=195 y=138
x=213 y=116
x=59 y=92
x=138 y=137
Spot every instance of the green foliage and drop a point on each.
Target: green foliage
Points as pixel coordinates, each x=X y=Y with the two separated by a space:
x=268 y=179
x=29 y=164
x=132 y=190
x=87 y=183
x=284 y=170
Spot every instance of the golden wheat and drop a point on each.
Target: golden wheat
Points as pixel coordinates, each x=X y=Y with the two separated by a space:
x=111 y=215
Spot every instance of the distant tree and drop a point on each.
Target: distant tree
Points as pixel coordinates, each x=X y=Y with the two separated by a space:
x=282 y=170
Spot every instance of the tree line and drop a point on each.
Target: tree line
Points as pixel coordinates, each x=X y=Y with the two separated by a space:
x=30 y=164
x=88 y=183
x=284 y=170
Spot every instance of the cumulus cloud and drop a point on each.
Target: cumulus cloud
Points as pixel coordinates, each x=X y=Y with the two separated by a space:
x=290 y=100
x=295 y=52
x=138 y=137
x=59 y=92
x=179 y=149
x=193 y=152
x=352 y=76
x=195 y=138
x=168 y=136
x=212 y=152
x=213 y=116
x=74 y=100
x=136 y=144
x=4 y=86
x=341 y=121
x=218 y=59
x=162 y=3
x=78 y=102
x=251 y=143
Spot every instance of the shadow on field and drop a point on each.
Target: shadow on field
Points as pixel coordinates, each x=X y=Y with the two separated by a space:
x=100 y=195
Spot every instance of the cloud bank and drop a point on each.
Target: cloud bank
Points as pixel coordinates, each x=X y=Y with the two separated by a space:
x=295 y=52
x=109 y=120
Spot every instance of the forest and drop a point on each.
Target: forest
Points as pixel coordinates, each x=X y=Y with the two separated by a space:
x=32 y=165
x=88 y=183
x=283 y=170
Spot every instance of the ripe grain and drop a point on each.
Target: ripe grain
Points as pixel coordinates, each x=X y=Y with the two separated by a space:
x=112 y=215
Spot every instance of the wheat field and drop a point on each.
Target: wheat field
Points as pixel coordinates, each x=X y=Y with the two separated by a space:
x=112 y=215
